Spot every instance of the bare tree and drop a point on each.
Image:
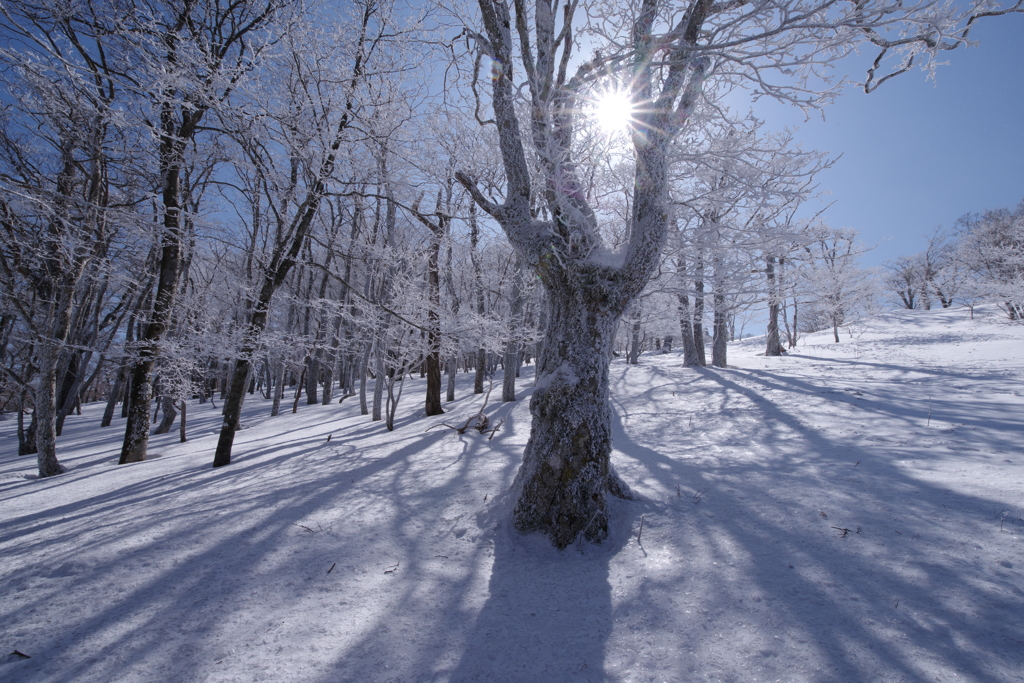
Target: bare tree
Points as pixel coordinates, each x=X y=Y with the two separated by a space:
x=668 y=53
x=63 y=203
x=991 y=246
x=313 y=125
x=207 y=46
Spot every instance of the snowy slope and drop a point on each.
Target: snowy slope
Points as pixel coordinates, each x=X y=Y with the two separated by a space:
x=849 y=512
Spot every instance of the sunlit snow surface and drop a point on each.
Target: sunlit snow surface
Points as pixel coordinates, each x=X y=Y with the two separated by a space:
x=374 y=556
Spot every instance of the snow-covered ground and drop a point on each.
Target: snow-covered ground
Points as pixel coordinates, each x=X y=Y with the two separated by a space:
x=850 y=512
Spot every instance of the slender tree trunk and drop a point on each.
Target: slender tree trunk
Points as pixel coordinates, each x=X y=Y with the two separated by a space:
x=481 y=308
x=393 y=398
x=698 y=311
x=312 y=379
x=686 y=337
x=364 y=366
x=298 y=391
x=378 y=385
x=452 y=367
x=433 y=361
x=275 y=408
x=181 y=430
x=136 y=435
x=510 y=362
x=233 y=410
x=115 y=395
x=480 y=371
x=796 y=329
x=633 y=355
x=126 y=397
x=44 y=414
x=26 y=437
x=720 y=343
x=170 y=414
x=774 y=342
x=69 y=373
x=327 y=388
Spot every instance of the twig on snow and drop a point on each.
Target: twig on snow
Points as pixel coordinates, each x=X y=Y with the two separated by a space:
x=479 y=422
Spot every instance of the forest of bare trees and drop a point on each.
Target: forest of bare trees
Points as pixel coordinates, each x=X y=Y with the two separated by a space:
x=312 y=201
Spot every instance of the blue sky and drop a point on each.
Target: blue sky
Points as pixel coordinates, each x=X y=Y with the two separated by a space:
x=918 y=154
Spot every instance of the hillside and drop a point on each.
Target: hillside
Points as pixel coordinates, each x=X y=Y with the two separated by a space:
x=848 y=512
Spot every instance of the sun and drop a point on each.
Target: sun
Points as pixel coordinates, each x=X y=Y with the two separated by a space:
x=613 y=111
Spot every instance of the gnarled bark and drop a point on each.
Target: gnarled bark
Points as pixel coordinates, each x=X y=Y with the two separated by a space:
x=566 y=471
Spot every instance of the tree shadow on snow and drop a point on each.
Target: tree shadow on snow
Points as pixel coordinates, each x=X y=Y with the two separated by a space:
x=548 y=613
x=765 y=588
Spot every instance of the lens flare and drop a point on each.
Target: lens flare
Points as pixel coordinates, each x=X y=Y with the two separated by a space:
x=613 y=111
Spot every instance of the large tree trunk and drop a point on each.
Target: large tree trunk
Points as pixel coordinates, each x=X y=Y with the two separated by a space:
x=566 y=471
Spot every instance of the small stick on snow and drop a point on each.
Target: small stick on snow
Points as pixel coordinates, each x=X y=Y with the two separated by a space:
x=641 y=529
x=393 y=569
x=332 y=568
